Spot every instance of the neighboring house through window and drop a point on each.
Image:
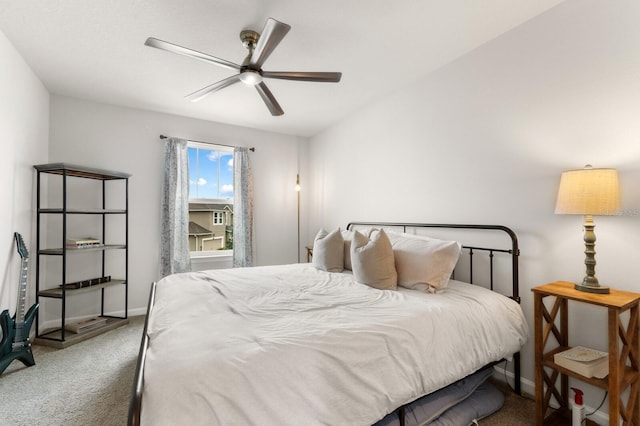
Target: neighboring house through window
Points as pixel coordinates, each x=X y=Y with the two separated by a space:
x=210 y=198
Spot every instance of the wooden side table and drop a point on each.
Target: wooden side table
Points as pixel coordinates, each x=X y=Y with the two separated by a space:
x=624 y=352
x=309 y=253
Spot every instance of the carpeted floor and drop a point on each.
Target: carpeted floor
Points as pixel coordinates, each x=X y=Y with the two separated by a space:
x=90 y=383
x=517 y=410
x=85 y=384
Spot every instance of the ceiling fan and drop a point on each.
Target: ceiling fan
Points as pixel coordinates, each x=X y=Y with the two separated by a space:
x=250 y=72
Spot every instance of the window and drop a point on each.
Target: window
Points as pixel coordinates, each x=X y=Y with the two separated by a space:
x=218 y=218
x=210 y=198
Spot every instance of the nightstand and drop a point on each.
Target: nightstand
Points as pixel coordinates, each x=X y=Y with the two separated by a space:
x=624 y=352
x=309 y=253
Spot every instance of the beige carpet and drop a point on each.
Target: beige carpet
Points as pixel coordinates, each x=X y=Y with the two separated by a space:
x=90 y=383
x=85 y=384
x=517 y=410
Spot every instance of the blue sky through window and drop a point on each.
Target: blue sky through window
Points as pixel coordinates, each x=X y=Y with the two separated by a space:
x=210 y=173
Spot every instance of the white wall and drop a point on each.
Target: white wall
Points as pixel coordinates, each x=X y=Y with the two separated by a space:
x=24 y=126
x=484 y=140
x=126 y=140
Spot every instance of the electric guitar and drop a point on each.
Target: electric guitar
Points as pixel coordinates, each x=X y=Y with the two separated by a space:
x=15 y=342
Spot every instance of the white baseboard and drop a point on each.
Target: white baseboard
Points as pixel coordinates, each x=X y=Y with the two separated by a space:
x=137 y=312
x=528 y=389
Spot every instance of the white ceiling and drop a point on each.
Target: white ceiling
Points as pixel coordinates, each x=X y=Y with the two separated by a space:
x=94 y=50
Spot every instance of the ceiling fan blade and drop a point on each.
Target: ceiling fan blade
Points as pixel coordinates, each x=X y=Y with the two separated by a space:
x=170 y=47
x=269 y=99
x=272 y=34
x=199 y=94
x=324 y=77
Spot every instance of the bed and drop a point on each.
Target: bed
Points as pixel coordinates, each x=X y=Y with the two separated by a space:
x=294 y=344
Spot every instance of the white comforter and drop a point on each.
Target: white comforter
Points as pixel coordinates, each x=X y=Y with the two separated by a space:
x=291 y=345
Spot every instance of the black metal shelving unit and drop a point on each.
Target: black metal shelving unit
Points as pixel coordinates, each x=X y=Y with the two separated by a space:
x=58 y=336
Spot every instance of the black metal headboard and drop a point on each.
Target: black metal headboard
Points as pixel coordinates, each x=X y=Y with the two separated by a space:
x=513 y=251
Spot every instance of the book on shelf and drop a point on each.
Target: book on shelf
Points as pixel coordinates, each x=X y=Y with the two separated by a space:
x=86 y=283
x=585 y=361
x=83 y=242
x=87 y=325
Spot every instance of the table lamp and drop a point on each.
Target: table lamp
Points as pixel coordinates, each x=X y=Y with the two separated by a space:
x=589 y=192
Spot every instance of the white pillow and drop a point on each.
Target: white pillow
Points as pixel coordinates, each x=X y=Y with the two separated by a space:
x=424 y=263
x=372 y=260
x=328 y=251
x=347 y=236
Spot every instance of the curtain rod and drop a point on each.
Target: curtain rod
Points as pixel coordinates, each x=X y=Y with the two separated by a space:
x=210 y=143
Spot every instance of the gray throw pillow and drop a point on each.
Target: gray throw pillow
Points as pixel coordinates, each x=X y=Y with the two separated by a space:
x=372 y=260
x=328 y=251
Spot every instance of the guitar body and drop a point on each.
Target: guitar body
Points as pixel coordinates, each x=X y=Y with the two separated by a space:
x=6 y=324
x=15 y=342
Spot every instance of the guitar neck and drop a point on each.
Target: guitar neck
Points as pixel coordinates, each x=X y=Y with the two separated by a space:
x=22 y=291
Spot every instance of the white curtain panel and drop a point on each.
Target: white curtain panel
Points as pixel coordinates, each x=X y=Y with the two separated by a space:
x=174 y=237
x=242 y=209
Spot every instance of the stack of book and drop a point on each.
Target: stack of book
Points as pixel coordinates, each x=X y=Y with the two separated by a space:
x=87 y=325
x=585 y=361
x=84 y=242
x=86 y=283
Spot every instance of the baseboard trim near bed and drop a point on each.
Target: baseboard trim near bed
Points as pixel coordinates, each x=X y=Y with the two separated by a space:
x=528 y=389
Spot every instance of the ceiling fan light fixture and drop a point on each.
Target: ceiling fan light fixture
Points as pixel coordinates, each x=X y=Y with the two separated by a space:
x=250 y=77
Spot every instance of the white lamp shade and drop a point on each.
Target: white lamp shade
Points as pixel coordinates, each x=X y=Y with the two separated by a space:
x=589 y=192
